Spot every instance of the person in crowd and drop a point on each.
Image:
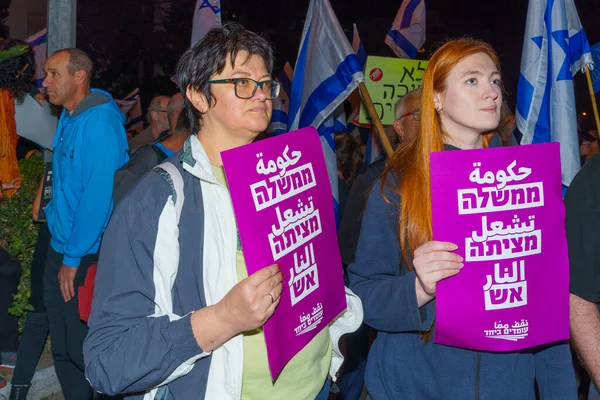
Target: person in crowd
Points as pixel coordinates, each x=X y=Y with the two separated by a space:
x=174 y=108
x=35 y=331
x=406 y=127
x=149 y=156
x=177 y=316
x=89 y=146
x=158 y=124
x=17 y=67
x=581 y=201
x=406 y=113
x=10 y=273
x=588 y=146
x=398 y=264
x=349 y=159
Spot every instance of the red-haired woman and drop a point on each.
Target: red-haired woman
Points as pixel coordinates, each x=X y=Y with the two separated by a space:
x=398 y=264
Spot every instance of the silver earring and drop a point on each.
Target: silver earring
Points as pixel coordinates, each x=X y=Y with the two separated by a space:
x=437 y=110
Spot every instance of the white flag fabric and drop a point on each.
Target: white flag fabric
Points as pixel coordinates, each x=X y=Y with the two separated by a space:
x=373 y=148
x=326 y=72
x=279 y=117
x=207 y=15
x=554 y=49
x=407 y=34
x=354 y=98
x=39 y=43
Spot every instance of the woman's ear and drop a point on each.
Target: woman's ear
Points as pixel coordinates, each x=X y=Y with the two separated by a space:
x=438 y=99
x=197 y=99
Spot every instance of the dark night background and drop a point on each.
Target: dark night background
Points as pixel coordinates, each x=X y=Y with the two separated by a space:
x=130 y=50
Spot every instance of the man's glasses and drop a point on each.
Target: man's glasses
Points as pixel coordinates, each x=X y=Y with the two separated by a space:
x=245 y=88
x=416 y=115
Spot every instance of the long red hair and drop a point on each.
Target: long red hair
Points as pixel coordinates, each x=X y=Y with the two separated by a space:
x=409 y=165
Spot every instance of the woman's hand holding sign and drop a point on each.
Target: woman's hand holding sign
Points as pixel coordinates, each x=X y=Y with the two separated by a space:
x=247 y=306
x=251 y=302
x=434 y=261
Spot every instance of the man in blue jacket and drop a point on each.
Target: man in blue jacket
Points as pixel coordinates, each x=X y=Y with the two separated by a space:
x=90 y=144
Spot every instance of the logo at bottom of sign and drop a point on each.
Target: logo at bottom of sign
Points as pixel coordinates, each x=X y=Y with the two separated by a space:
x=518 y=331
x=310 y=321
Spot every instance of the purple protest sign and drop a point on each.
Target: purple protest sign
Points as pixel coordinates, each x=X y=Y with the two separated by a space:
x=284 y=210
x=503 y=208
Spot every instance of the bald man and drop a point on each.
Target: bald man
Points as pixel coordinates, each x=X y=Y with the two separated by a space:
x=174 y=108
x=407 y=114
x=158 y=122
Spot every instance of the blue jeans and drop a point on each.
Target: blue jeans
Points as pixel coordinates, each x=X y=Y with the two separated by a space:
x=324 y=393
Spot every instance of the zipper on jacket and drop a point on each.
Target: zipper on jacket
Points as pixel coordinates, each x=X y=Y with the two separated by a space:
x=477 y=374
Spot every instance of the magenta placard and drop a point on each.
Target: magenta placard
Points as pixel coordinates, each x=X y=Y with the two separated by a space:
x=503 y=207
x=284 y=210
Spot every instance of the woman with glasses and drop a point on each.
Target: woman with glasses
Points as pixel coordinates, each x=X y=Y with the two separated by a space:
x=175 y=315
x=398 y=265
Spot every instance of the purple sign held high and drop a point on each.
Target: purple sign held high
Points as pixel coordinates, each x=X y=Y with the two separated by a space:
x=284 y=210
x=504 y=210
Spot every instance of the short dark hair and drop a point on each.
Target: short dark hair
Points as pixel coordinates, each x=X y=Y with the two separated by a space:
x=209 y=57
x=79 y=60
x=17 y=67
x=348 y=156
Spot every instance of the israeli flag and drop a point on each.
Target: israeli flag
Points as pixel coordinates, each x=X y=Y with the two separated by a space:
x=131 y=107
x=358 y=48
x=39 y=43
x=207 y=15
x=407 y=34
x=326 y=72
x=554 y=49
x=354 y=98
x=279 y=117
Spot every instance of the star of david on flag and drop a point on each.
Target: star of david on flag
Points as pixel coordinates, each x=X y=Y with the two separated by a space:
x=206 y=4
x=554 y=49
x=207 y=15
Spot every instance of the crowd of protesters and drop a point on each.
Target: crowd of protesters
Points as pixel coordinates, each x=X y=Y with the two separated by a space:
x=175 y=314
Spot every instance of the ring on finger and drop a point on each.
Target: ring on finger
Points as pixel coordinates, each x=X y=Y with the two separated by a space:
x=272 y=299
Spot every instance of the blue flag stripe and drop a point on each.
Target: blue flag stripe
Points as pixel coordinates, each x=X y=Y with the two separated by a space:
x=279 y=116
x=286 y=84
x=362 y=56
x=403 y=43
x=298 y=81
x=40 y=40
x=408 y=13
x=595 y=73
x=329 y=89
x=134 y=121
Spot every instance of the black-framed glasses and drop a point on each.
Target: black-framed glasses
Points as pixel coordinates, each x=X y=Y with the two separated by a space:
x=245 y=88
x=416 y=114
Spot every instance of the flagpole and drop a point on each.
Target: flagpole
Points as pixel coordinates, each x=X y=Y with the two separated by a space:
x=593 y=96
x=371 y=109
